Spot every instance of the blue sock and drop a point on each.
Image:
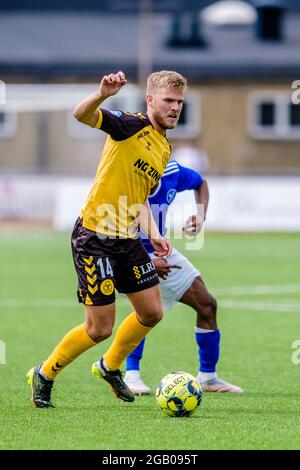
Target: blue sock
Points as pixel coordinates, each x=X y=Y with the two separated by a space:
x=208 y=349
x=133 y=360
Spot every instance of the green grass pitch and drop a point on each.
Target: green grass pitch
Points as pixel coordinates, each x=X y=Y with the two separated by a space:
x=255 y=278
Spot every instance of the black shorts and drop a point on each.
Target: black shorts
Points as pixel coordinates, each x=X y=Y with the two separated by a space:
x=105 y=264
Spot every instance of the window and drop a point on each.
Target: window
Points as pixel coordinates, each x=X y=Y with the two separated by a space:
x=272 y=116
x=8 y=124
x=294 y=115
x=267 y=114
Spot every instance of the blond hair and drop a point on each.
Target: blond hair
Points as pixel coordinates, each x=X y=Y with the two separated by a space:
x=165 y=79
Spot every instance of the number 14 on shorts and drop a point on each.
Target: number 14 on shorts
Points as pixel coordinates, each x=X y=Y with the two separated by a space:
x=105 y=267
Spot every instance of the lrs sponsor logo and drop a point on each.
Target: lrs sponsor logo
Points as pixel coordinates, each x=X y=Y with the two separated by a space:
x=146 y=268
x=143 y=269
x=136 y=272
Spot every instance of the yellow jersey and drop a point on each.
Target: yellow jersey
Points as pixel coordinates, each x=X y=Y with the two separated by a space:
x=133 y=161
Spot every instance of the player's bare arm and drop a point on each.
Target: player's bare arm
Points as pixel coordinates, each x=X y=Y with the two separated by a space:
x=87 y=110
x=162 y=247
x=195 y=222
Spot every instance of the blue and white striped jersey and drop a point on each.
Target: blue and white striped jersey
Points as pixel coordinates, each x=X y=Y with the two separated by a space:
x=175 y=179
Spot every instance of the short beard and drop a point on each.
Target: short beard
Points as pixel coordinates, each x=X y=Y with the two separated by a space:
x=161 y=124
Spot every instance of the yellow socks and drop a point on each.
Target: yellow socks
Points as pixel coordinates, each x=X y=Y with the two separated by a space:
x=71 y=346
x=129 y=334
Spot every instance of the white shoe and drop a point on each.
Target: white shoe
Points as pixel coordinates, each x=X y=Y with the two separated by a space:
x=217 y=385
x=134 y=381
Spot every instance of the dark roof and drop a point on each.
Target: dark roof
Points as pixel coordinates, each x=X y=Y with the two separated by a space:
x=101 y=5
x=120 y=5
x=52 y=44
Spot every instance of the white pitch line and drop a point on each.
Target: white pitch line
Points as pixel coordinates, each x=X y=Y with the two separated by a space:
x=227 y=304
x=258 y=290
x=260 y=306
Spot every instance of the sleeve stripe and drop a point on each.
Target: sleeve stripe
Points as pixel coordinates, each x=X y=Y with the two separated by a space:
x=169 y=167
x=167 y=173
x=172 y=164
x=100 y=119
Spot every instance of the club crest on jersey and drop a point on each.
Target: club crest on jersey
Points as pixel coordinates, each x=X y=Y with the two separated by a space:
x=116 y=113
x=171 y=195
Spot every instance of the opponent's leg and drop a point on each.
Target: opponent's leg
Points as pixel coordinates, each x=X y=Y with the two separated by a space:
x=133 y=376
x=207 y=337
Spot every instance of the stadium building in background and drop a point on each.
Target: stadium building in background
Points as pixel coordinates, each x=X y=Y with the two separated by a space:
x=241 y=59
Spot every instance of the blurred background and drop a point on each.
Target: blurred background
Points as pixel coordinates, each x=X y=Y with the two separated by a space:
x=240 y=125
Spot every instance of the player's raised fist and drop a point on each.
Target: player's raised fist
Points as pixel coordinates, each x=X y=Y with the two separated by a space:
x=112 y=83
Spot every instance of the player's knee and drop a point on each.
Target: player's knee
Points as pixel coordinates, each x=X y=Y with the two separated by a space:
x=208 y=308
x=98 y=334
x=158 y=316
x=213 y=305
x=152 y=318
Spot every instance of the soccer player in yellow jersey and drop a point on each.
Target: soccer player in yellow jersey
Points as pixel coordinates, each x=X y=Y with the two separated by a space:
x=107 y=252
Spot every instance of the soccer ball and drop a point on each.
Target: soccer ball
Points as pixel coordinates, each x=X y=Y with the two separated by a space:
x=178 y=394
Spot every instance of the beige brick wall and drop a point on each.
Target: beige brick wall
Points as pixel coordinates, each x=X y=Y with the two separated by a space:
x=69 y=154
x=45 y=139
x=20 y=152
x=43 y=142
x=226 y=138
